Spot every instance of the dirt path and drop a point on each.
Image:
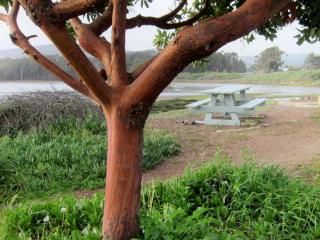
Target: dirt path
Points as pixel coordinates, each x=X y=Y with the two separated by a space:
x=290 y=139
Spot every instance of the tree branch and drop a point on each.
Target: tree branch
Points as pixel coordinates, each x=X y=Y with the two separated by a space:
x=199 y=41
x=3 y=17
x=22 y=41
x=162 y=22
x=67 y=45
x=118 y=53
x=70 y=9
x=96 y=46
x=103 y=22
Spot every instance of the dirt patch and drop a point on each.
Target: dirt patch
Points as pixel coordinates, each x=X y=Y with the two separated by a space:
x=289 y=137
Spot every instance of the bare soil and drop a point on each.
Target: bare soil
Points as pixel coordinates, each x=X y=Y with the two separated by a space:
x=288 y=136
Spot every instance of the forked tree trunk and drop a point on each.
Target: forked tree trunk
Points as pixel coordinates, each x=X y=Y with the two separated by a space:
x=123 y=180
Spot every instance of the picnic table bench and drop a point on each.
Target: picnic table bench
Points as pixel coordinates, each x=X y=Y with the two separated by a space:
x=226 y=102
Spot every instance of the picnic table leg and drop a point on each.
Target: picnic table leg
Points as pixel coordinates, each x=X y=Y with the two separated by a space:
x=235 y=121
x=229 y=100
x=213 y=101
x=208 y=119
x=243 y=96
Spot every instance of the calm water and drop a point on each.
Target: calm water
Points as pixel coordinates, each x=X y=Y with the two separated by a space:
x=175 y=89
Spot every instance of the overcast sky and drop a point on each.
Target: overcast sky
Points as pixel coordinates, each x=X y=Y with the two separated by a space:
x=141 y=38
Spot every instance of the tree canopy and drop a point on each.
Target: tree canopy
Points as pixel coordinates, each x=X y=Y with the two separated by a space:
x=312 y=61
x=269 y=60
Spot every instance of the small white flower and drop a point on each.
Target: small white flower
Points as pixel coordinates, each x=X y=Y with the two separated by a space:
x=46 y=219
x=85 y=231
x=63 y=210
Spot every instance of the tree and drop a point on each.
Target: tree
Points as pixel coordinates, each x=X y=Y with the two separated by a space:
x=269 y=60
x=220 y=62
x=200 y=28
x=312 y=61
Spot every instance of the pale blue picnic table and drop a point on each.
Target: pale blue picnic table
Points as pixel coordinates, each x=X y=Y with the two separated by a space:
x=229 y=102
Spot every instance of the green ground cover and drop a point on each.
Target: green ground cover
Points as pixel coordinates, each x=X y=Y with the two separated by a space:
x=219 y=201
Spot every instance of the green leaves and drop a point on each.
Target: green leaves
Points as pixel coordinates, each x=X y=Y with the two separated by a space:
x=162 y=38
x=269 y=60
x=144 y=3
x=5 y=4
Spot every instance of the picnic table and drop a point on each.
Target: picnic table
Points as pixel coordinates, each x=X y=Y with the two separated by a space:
x=229 y=102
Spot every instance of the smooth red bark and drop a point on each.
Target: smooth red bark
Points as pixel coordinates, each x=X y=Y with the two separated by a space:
x=123 y=180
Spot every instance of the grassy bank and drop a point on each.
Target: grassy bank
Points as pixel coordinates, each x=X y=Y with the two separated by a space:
x=301 y=77
x=220 y=201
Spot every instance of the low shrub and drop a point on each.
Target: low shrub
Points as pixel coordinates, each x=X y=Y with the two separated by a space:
x=39 y=109
x=219 y=201
x=67 y=155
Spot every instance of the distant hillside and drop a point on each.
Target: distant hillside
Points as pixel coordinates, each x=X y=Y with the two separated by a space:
x=50 y=50
x=17 y=53
x=289 y=59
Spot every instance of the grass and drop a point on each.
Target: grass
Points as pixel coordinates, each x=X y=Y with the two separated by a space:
x=301 y=77
x=174 y=108
x=171 y=104
x=205 y=76
x=219 y=201
x=316 y=118
x=67 y=155
x=311 y=172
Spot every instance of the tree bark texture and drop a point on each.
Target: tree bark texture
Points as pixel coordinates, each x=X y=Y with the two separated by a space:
x=123 y=180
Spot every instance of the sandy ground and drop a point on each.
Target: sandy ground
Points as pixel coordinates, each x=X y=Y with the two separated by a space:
x=289 y=136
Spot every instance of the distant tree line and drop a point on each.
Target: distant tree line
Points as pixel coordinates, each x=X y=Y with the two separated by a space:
x=312 y=61
x=26 y=69
x=270 y=60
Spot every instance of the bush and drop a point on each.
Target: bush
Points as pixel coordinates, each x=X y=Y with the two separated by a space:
x=220 y=201
x=67 y=155
x=39 y=109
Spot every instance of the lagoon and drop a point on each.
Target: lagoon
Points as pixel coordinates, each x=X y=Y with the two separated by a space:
x=179 y=89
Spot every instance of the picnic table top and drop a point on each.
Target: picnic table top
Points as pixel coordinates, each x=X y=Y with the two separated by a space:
x=229 y=89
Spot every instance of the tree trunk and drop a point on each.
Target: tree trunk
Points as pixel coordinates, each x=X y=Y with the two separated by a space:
x=123 y=180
